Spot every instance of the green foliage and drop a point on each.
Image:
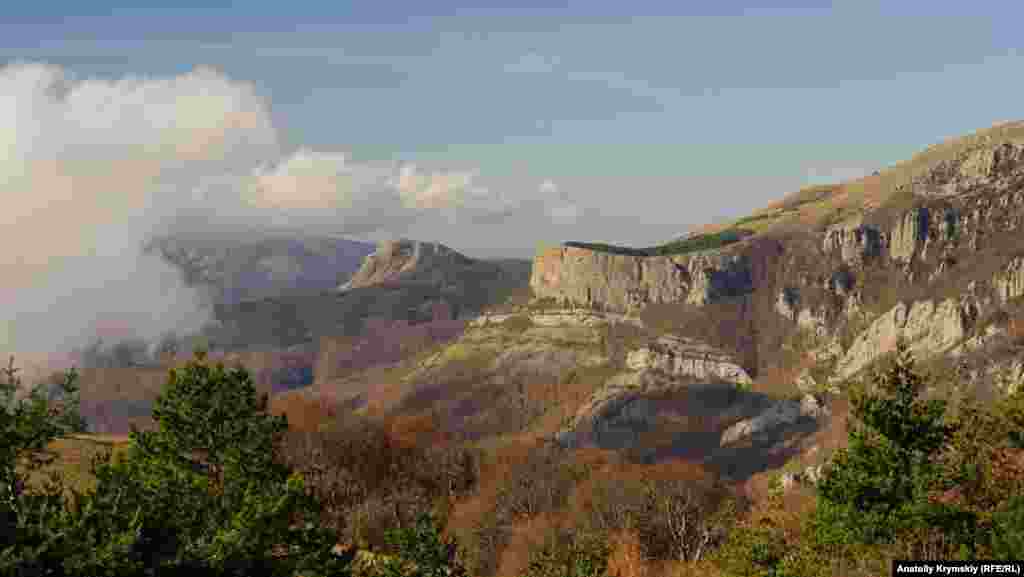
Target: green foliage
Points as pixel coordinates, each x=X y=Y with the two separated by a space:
x=751 y=550
x=1008 y=530
x=879 y=485
x=202 y=492
x=28 y=424
x=677 y=247
x=421 y=551
x=570 y=554
x=1010 y=411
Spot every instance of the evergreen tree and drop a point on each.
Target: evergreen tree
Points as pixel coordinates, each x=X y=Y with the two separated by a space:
x=203 y=493
x=879 y=485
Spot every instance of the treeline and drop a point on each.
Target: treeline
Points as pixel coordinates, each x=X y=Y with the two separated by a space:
x=222 y=487
x=676 y=247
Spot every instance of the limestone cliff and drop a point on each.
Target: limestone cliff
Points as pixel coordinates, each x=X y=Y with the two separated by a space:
x=624 y=283
x=931 y=254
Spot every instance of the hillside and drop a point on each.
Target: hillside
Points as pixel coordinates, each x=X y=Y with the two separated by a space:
x=720 y=364
x=254 y=266
x=400 y=300
x=402 y=281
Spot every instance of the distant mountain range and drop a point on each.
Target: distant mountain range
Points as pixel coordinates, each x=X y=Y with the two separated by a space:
x=236 y=269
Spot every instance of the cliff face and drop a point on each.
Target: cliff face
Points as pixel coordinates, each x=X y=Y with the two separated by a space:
x=628 y=283
x=937 y=263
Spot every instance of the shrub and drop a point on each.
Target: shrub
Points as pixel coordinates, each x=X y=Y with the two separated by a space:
x=570 y=553
x=421 y=551
x=361 y=469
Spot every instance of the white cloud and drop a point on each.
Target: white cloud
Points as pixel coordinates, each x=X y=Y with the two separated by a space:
x=92 y=168
x=89 y=168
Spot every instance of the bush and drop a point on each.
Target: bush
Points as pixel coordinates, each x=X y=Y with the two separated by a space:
x=421 y=551
x=360 y=470
x=570 y=553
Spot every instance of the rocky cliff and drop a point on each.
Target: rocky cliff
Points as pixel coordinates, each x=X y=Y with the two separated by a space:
x=625 y=283
x=928 y=251
x=735 y=354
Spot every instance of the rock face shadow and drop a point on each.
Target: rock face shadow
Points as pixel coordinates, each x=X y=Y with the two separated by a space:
x=687 y=423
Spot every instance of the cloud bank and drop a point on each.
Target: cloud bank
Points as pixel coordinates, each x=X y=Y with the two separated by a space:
x=90 y=169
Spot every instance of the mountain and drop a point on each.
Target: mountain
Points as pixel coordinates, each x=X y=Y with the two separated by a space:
x=402 y=281
x=793 y=301
x=414 y=261
x=254 y=266
x=735 y=345
x=720 y=360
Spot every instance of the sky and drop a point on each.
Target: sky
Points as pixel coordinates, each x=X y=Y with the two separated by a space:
x=491 y=129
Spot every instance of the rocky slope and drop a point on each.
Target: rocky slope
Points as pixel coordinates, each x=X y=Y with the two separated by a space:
x=414 y=261
x=403 y=281
x=733 y=356
x=930 y=253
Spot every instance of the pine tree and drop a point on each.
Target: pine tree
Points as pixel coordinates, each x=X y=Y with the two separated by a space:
x=879 y=485
x=204 y=494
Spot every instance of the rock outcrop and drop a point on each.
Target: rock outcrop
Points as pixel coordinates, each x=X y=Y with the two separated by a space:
x=854 y=242
x=664 y=366
x=414 y=261
x=1009 y=284
x=681 y=356
x=929 y=328
x=625 y=283
x=909 y=234
x=556 y=318
x=780 y=414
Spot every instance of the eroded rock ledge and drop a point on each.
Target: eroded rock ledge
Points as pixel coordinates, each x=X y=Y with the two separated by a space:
x=681 y=356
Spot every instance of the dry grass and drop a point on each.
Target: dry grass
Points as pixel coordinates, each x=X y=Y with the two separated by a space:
x=528 y=536
x=305 y=412
x=73 y=459
x=626 y=558
x=817 y=205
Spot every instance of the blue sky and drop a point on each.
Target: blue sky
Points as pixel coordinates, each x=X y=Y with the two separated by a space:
x=652 y=116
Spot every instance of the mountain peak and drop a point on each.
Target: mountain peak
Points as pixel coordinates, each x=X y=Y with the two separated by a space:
x=405 y=259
